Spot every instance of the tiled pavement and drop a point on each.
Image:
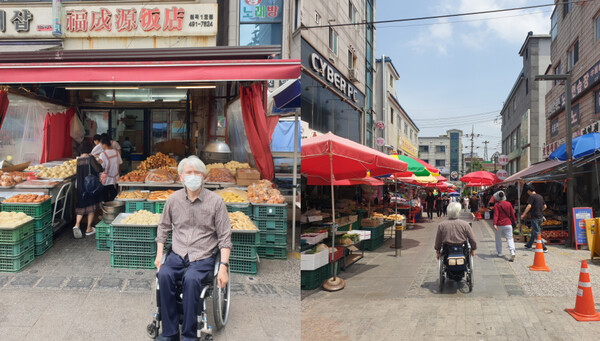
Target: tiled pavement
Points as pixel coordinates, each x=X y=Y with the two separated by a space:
x=397 y=298
x=72 y=293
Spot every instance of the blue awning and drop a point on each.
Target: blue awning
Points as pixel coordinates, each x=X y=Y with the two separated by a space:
x=286 y=98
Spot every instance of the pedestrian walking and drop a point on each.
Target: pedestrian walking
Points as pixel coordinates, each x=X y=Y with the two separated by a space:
x=109 y=159
x=429 y=205
x=445 y=203
x=88 y=202
x=465 y=202
x=438 y=205
x=474 y=204
x=535 y=205
x=504 y=217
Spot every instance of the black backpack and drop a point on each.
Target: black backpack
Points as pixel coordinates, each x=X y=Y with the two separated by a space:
x=91 y=183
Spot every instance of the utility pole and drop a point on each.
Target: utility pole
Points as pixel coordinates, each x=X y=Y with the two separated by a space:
x=485 y=155
x=472 y=131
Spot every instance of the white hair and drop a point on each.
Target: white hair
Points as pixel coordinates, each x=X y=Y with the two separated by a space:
x=192 y=161
x=453 y=210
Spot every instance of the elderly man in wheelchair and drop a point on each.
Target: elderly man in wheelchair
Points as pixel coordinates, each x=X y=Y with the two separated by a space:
x=201 y=235
x=455 y=246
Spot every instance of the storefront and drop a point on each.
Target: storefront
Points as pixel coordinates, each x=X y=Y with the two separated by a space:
x=330 y=102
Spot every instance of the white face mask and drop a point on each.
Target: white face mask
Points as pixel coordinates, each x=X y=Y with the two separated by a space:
x=192 y=182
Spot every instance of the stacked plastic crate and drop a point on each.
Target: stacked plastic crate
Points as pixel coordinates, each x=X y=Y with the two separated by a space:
x=132 y=246
x=102 y=236
x=271 y=220
x=17 y=247
x=243 y=258
x=42 y=222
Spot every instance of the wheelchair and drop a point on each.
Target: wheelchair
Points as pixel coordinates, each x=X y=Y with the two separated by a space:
x=219 y=296
x=456 y=263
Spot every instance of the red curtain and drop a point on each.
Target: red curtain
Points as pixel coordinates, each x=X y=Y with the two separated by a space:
x=258 y=128
x=3 y=105
x=57 y=136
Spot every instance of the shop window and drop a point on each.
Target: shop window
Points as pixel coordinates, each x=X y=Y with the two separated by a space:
x=333 y=37
x=573 y=56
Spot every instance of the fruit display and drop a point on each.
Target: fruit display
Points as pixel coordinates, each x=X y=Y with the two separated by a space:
x=133 y=195
x=13 y=219
x=233 y=195
x=157 y=161
x=263 y=192
x=348 y=239
x=160 y=195
x=67 y=169
x=551 y=223
x=161 y=176
x=142 y=217
x=219 y=175
x=135 y=176
x=240 y=221
x=234 y=165
x=27 y=198
x=555 y=234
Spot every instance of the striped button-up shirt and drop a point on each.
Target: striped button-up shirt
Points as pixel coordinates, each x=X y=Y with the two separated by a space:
x=198 y=226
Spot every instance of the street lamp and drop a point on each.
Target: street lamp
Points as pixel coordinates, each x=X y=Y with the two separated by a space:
x=569 y=137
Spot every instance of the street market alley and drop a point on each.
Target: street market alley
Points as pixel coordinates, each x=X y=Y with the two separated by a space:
x=397 y=298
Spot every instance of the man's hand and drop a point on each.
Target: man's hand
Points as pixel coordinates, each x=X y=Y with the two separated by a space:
x=523 y=216
x=222 y=277
x=157 y=261
x=437 y=255
x=495 y=228
x=473 y=253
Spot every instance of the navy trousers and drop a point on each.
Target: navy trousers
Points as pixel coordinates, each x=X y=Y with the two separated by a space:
x=173 y=270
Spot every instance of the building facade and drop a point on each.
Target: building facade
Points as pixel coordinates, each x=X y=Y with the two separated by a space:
x=395 y=131
x=337 y=67
x=523 y=114
x=444 y=152
x=575 y=49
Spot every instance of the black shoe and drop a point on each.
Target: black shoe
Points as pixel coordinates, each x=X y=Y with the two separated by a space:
x=527 y=247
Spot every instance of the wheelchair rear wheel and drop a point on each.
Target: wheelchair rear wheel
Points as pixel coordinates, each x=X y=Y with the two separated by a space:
x=470 y=274
x=220 y=298
x=442 y=274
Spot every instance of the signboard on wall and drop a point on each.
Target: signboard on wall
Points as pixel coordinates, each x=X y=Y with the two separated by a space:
x=502 y=160
x=379 y=141
x=408 y=147
x=263 y=11
x=110 y=21
x=524 y=129
x=579 y=216
x=554 y=127
x=501 y=174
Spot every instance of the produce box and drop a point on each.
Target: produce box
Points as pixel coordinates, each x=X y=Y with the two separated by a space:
x=128 y=261
x=372 y=244
x=272 y=252
x=244 y=182
x=42 y=247
x=134 y=206
x=17 y=263
x=313 y=238
x=102 y=244
x=363 y=234
x=14 y=250
x=310 y=280
x=370 y=222
x=32 y=210
x=243 y=252
x=271 y=225
x=313 y=261
x=243 y=266
x=270 y=211
x=520 y=238
x=247 y=174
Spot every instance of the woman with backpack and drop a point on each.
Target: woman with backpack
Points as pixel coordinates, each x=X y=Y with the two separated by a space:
x=109 y=159
x=504 y=218
x=89 y=193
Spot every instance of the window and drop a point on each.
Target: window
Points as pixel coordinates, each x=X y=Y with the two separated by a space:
x=317 y=18
x=553 y=29
x=597 y=20
x=391 y=81
x=424 y=149
x=440 y=163
x=526 y=53
x=351 y=12
x=557 y=71
x=392 y=115
x=256 y=28
x=333 y=40
x=351 y=60
x=405 y=128
x=514 y=105
x=526 y=86
x=260 y=34
x=425 y=160
x=573 y=56
x=440 y=149
x=566 y=8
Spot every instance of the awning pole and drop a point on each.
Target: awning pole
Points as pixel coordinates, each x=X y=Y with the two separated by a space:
x=333 y=227
x=519 y=205
x=294 y=181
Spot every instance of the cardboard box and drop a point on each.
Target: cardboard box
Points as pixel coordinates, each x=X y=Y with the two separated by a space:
x=362 y=234
x=244 y=182
x=248 y=174
x=352 y=218
x=521 y=239
x=370 y=222
x=313 y=261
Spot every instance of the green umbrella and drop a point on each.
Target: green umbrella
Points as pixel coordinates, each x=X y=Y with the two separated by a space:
x=414 y=167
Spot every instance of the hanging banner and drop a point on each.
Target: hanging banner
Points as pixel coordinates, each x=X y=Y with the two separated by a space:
x=580 y=214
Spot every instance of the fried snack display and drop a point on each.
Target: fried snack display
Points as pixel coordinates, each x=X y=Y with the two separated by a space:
x=220 y=175
x=13 y=219
x=142 y=217
x=135 y=176
x=378 y=215
x=233 y=195
x=234 y=165
x=67 y=169
x=214 y=165
x=27 y=198
x=240 y=221
x=157 y=161
x=133 y=195
x=395 y=217
x=160 y=176
x=263 y=192
x=160 y=195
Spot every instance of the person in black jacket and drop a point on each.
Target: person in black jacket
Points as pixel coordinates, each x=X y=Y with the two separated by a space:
x=430 y=205
x=86 y=204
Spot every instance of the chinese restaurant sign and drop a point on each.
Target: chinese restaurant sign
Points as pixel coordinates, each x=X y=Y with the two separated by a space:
x=112 y=21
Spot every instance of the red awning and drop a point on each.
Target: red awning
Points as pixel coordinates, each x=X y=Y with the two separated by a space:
x=139 y=72
x=369 y=181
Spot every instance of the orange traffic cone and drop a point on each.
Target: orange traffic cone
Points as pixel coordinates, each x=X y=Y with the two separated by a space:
x=539 y=264
x=584 y=304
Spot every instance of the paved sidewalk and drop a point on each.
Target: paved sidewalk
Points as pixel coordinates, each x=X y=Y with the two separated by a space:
x=72 y=293
x=397 y=298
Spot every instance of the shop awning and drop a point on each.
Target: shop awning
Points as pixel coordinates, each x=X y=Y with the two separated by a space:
x=531 y=170
x=146 y=72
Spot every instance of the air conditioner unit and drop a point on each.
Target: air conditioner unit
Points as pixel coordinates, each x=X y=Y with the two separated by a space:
x=353 y=75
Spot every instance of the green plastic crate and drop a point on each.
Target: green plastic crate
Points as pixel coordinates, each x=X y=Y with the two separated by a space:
x=279 y=226
x=246 y=209
x=272 y=252
x=103 y=244
x=159 y=206
x=272 y=239
x=133 y=233
x=243 y=266
x=243 y=252
x=43 y=222
x=372 y=244
x=17 y=235
x=269 y=212
x=18 y=263
x=42 y=235
x=130 y=261
x=14 y=250
x=134 y=206
x=41 y=248
x=132 y=247
x=32 y=210
x=245 y=238
x=310 y=280
x=103 y=230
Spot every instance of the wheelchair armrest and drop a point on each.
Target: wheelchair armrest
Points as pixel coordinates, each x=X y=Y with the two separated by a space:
x=168 y=250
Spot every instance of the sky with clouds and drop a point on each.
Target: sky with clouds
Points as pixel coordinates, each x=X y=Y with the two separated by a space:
x=456 y=67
